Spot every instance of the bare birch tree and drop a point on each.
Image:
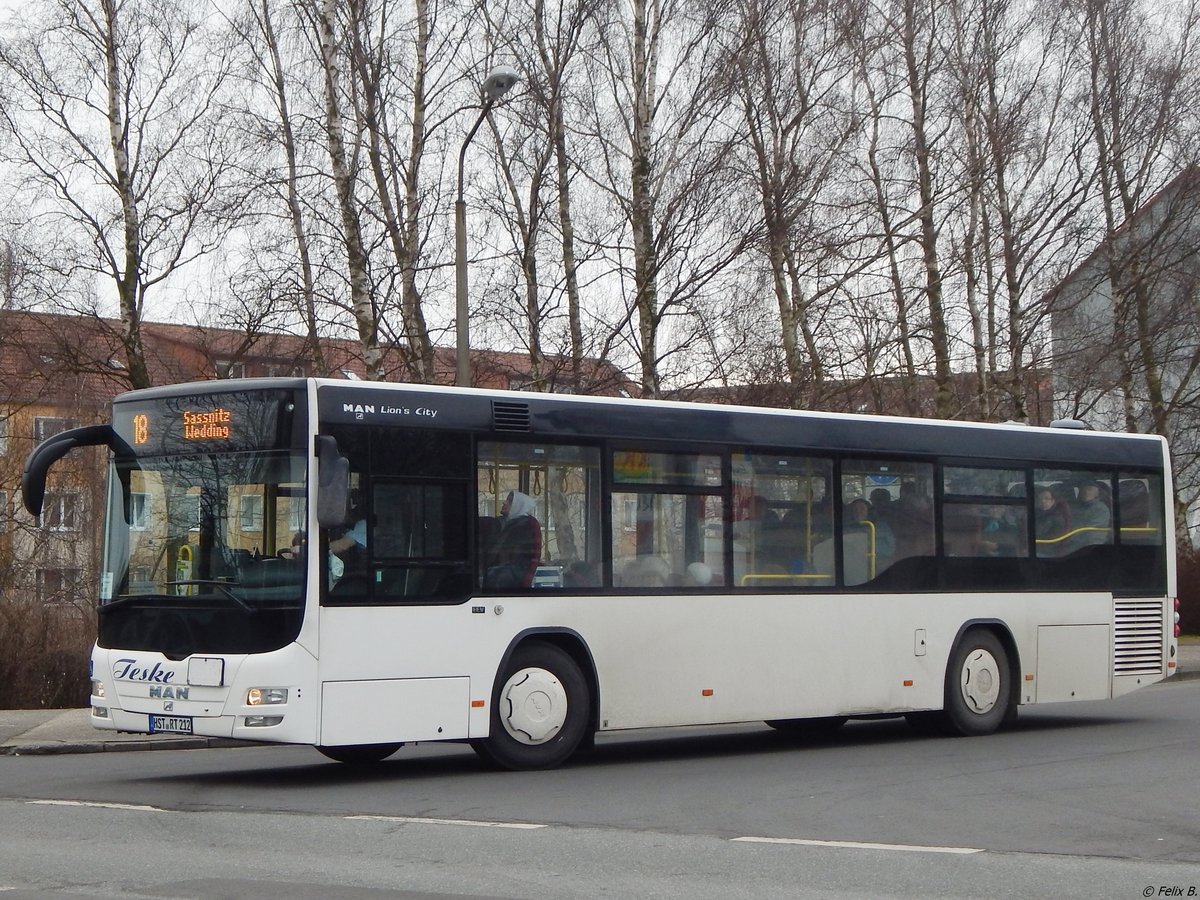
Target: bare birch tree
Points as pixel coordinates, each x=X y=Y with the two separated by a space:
x=538 y=170
x=270 y=78
x=787 y=64
x=1012 y=63
x=665 y=149
x=113 y=112
x=330 y=32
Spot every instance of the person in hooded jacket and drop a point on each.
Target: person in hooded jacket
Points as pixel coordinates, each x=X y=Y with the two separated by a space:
x=516 y=545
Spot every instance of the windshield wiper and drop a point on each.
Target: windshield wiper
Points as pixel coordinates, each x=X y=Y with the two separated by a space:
x=130 y=598
x=219 y=585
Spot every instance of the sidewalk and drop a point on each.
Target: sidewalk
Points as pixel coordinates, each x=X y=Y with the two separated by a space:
x=28 y=732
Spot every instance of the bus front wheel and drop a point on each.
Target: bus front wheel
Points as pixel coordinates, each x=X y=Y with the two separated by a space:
x=360 y=754
x=539 y=710
x=979 y=695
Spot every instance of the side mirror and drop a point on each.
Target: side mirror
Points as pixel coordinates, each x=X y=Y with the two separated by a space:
x=333 y=483
x=33 y=478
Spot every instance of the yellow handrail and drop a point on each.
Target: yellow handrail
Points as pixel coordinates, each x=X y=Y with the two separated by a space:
x=1085 y=528
x=755 y=578
x=871 y=557
x=1071 y=533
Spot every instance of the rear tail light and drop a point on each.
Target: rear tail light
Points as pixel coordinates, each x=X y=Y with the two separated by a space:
x=1177 y=628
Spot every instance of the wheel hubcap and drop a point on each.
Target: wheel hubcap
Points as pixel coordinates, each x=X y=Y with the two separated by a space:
x=533 y=706
x=980 y=681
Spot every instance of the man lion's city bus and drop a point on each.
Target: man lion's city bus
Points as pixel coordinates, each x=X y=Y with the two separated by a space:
x=356 y=566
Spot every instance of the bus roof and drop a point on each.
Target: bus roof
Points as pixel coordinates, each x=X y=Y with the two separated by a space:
x=516 y=413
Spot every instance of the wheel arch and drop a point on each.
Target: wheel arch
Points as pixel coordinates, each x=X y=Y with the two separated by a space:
x=1003 y=633
x=570 y=642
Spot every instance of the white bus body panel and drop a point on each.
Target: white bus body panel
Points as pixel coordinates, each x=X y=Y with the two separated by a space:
x=420 y=673
x=1074 y=662
x=675 y=660
x=395 y=709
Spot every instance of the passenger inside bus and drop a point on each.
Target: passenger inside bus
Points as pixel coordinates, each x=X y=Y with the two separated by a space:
x=1000 y=532
x=348 y=554
x=515 y=545
x=1093 y=514
x=761 y=538
x=859 y=518
x=1053 y=521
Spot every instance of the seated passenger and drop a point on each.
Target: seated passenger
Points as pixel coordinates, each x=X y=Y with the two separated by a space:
x=516 y=546
x=1052 y=521
x=1092 y=513
x=647 y=571
x=858 y=514
x=999 y=533
x=698 y=574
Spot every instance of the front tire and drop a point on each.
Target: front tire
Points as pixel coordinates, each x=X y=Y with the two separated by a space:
x=360 y=754
x=979 y=695
x=540 y=710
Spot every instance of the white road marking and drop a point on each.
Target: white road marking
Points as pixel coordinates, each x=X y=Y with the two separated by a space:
x=129 y=806
x=861 y=845
x=415 y=820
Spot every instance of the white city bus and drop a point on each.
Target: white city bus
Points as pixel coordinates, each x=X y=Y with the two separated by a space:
x=356 y=566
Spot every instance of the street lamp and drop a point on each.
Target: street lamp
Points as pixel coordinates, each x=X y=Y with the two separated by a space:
x=499 y=80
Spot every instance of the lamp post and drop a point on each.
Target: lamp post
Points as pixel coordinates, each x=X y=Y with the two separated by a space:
x=497 y=83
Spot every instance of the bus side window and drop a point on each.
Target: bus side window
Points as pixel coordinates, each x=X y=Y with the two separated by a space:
x=668 y=513
x=537 y=525
x=887 y=517
x=782 y=521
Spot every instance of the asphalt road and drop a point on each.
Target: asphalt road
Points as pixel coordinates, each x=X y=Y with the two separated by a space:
x=1080 y=800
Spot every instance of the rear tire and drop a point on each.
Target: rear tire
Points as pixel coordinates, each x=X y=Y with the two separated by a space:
x=821 y=727
x=360 y=754
x=540 y=710
x=979 y=696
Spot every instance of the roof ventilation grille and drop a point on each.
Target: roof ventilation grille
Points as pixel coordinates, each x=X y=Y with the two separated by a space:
x=509 y=416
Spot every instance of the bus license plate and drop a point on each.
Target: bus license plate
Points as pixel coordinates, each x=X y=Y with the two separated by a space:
x=170 y=724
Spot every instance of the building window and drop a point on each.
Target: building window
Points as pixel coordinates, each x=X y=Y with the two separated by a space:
x=60 y=512
x=227 y=368
x=139 y=512
x=45 y=427
x=250 y=512
x=58 y=585
x=285 y=370
x=4 y=435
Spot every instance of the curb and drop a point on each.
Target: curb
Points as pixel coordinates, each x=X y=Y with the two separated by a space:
x=65 y=747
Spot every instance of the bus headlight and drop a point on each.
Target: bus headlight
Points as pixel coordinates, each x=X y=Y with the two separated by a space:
x=262 y=721
x=266 y=696
x=98 y=689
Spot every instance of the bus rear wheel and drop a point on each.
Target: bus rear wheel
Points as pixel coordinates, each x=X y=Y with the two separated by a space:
x=979 y=696
x=360 y=754
x=540 y=710
x=821 y=727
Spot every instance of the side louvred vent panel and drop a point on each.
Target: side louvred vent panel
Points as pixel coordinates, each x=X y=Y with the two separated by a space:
x=1138 y=637
x=510 y=416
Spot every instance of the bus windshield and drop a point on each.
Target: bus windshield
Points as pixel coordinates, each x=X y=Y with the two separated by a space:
x=210 y=537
